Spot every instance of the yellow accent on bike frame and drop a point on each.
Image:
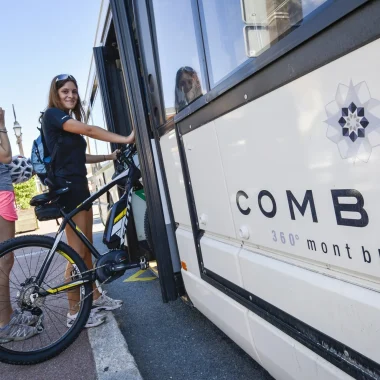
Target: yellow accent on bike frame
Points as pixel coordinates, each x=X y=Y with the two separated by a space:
x=69 y=259
x=63 y=287
x=120 y=216
x=78 y=229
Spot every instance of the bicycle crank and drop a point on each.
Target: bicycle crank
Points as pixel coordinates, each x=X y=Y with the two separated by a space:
x=113 y=264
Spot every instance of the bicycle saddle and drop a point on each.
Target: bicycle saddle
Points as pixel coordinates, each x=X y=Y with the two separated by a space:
x=44 y=198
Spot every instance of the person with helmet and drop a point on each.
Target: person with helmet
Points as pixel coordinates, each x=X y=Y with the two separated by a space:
x=13 y=323
x=62 y=124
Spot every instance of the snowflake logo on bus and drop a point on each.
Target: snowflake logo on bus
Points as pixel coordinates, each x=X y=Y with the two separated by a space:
x=354 y=121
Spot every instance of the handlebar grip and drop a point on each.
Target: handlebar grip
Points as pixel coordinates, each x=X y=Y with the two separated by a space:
x=123 y=148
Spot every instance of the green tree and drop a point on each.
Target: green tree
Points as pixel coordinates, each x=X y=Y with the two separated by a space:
x=24 y=192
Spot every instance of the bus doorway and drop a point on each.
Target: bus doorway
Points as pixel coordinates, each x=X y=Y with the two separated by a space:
x=149 y=232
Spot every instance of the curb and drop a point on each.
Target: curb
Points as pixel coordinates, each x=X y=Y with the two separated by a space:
x=112 y=358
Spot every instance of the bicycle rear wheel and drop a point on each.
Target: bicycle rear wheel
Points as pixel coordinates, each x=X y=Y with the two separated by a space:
x=27 y=254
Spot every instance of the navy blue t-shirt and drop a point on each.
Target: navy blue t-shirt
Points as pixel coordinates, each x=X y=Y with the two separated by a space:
x=70 y=159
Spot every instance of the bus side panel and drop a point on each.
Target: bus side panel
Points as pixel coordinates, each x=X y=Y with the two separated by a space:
x=283 y=357
x=302 y=177
x=228 y=315
x=208 y=181
x=298 y=171
x=174 y=176
x=346 y=312
x=286 y=359
x=186 y=248
x=223 y=257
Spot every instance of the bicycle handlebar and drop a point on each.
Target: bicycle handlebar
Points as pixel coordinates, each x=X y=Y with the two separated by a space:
x=124 y=159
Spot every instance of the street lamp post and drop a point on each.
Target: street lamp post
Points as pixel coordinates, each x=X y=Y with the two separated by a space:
x=18 y=133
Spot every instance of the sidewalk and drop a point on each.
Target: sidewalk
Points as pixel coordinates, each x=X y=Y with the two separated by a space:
x=100 y=353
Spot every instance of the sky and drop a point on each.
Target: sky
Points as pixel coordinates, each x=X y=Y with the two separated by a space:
x=38 y=40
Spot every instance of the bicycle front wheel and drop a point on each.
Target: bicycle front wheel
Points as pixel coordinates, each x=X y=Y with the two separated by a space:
x=21 y=259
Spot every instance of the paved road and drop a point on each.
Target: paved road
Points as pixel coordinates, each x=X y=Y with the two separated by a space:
x=175 y=341
x=168 y=341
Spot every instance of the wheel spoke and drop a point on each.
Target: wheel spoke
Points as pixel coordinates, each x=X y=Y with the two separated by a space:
x=6 y=276
x=30 y=265
x=51 y=279
x=59 y=320
x=47 y=312
x=20 y=266
x=29 y=254
x=53 y=263
x=26 y=261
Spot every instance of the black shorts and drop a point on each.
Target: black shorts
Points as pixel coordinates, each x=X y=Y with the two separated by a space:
x=78 y=193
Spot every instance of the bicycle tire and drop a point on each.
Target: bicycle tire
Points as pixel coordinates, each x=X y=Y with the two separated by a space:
x=38 y=356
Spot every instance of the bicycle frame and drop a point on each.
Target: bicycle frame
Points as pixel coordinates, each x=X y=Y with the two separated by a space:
x=67 y=219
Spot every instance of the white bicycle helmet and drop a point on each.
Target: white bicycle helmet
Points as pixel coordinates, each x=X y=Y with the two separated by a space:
x=21 y=169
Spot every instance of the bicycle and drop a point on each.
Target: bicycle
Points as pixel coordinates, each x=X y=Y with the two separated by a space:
x=39 y=286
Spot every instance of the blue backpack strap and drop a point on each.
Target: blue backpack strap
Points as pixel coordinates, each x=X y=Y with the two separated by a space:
x=56 y=146
x=36 y=151
x=50 y=165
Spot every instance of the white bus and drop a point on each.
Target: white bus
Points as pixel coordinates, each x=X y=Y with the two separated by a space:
x=258 y=133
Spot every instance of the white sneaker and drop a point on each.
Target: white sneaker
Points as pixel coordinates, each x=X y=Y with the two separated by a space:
x=94 y=319
x=106 y=303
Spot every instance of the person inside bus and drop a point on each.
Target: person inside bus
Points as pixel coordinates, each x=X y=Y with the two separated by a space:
x=187 y=87
x=13 y=323
x=63 y=117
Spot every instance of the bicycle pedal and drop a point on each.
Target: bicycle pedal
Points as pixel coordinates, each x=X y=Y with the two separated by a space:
x=119 y=267
x=144 y=263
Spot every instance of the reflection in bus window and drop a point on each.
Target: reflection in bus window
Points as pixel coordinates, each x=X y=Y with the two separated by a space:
x=97 y=118
x=187 y=87
x=223 y=35
x=177 y=48
x=267 y=21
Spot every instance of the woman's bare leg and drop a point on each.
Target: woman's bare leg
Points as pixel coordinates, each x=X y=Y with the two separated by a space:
x=7 y=231
x=84 y=221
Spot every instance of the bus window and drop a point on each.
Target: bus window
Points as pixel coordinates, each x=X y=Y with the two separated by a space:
x=222 y=26
x=97 y=118
x=182 y=80
x=267 y=21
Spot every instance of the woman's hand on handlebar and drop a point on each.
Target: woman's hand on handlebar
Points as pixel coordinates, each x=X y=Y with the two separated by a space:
x=115 y=154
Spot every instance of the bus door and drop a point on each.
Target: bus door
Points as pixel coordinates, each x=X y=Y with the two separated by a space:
x=109 y=78
x=141 y=114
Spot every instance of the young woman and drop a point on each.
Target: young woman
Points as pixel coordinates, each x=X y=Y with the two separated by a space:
x=62 y=121
x=13 y=323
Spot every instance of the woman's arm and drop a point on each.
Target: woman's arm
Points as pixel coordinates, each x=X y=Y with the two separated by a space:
x=5 y=146
x=75 y=126
x=95 y=158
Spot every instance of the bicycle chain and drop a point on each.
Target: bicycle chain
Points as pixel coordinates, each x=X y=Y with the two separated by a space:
x=93 y=290
x=93 y=282
x=81 y=273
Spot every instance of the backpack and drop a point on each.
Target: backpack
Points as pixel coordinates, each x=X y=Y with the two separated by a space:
x=42 y=161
